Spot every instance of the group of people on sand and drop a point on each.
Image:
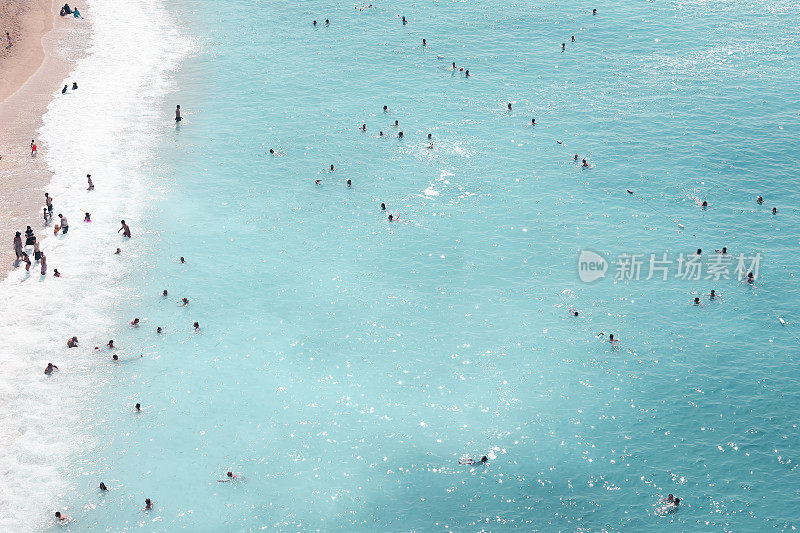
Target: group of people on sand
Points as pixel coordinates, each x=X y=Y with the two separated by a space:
x=66 y=10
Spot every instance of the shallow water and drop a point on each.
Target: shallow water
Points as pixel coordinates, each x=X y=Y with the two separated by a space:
x=345 y=363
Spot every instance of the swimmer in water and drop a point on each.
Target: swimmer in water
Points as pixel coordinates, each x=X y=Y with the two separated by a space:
x=349 y=183
x=49 y=369
x=572 y=312
x=230 y=477
x=182 y=260
x=712 y=295
x=396 y=123
x=164 y=293
x=135 y=322
x=317 y=182
x=472 y=461
x=533 y=122
x=563 y=46
x=699 y=251
x=332 y=168
x=138 y=407
x=424 y=42
x=119 y=251
x=466 y=74
x=404 y=21
x=159 y=330
x=750 y=278
x=327 y=22
x=148 y=504
x=125 y=229
x=705 y=204
x=759 y=200
x=60 y=517
x=697 y=301
x=383 y=206
x=386 y=109
x=115 y=357
x=400 y=135
x=393 y=218
x=575 y=158
x=91 y=185
x=363 y=127
x=573 y=39
x=315 y=23
x=509 y=106
x=584 y=164
x=724 y=251
x=103 y=486
x=774 y=210
x=184 y=302
x=594 y=12
x=110 y=344
x=197 y=326
x=454 y=65
x=380 y=134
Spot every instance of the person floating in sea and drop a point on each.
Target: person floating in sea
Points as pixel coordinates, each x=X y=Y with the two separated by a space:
x=164 y=294
x=573 y=39
x=563 y=46
x=760 y=200
x=363 y=127
x=332 y=168
x=424 y=42
x=159 y=330
x=178 y=117
x=135 y=322
x=509 y=106
x=713 y=294
x=750 y=278
x=138 y=407
x=383 y=206
x=125 y=229
x=196 y=326
x=704 y=205
x=572 y=312
x=184 y=301
x=393 y=218
x=148 y=504
x=50 y=368
x=349 y=183
x=229 y=477
x=774 y=210
x=103 y=487
x=472 y=462
x=585 y=164
x=60 y=518
x=91 y=185
x=724 y=251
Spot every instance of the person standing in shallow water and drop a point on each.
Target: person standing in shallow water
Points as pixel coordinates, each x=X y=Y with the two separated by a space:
x=178 y=117
x=125 y=229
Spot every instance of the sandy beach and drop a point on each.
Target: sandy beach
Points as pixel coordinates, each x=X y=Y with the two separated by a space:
x=44 y=48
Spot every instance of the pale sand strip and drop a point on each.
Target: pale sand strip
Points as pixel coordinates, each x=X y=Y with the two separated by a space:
x=44 y=50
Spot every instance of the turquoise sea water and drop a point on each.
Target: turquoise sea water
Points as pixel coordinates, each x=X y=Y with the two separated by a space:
x=345 y=363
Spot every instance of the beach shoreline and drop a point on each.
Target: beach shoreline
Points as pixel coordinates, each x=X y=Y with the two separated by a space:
x=45 y=48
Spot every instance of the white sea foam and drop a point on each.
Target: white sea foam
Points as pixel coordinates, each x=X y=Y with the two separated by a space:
x=107 y=128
